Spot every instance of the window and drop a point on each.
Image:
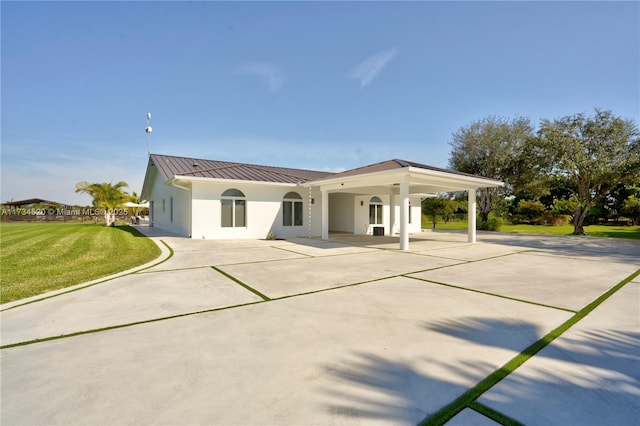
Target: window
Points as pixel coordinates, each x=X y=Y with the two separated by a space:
x=375 y=211
x=171 y=209
x=409 y=211
x=292 y=209
x=234 y=209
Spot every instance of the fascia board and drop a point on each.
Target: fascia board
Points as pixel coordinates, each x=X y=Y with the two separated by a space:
x=383 y=177
x=454 y=180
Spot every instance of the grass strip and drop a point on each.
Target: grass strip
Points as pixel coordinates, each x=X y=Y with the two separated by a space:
x=502 y=296
x=130 y=324
x=467 y=398
x=96 y=283
x=237 y=281
x=494 y=415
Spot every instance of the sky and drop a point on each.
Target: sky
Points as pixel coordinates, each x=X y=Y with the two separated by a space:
x=316 y=85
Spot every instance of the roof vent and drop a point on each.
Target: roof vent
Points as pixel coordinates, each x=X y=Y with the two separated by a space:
x=195 y=164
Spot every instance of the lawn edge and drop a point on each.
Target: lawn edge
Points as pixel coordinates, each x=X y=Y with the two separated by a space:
x=102 y=280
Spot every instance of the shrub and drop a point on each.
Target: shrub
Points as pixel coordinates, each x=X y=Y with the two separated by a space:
x=494 y=223
x=530 y=211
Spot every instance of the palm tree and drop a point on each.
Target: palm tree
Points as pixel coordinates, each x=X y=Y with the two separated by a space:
x=106 y=196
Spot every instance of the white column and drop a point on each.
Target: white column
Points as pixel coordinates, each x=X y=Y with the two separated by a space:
x=325 y=215
x=471 y=220
x=392 y=214
x=404 y=215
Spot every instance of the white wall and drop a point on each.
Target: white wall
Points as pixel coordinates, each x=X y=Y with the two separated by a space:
x=197 y=213
x=162 y=217
x=341 y=212
x=361 y=216
x=264 y=211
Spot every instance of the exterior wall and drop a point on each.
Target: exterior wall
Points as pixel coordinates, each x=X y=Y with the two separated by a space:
x=341 y=212
x=197 y=213
x=161 y=195
x=361 y=216
x=263 y=211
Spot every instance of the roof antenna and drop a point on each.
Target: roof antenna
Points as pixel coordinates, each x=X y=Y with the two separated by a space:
x=148 y=130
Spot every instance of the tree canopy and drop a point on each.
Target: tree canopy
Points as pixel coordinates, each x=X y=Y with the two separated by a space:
x=575 y=162
x=594 y=154
x=491 y=148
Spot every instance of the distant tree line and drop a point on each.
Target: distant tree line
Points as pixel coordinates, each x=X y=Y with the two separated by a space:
x=578 y=169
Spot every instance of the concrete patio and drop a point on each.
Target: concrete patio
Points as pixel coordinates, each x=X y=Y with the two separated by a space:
x=346 y=331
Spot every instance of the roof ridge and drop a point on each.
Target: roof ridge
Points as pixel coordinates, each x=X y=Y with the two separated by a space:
x=402 y=163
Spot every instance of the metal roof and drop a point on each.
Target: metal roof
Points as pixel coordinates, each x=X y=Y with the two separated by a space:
x=170 y=166
x=391 y=165
x=447 y=180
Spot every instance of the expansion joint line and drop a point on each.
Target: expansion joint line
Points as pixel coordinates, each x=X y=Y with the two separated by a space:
x=491 y=294
x=130 y=324
x=469 y=398
x=237 y=281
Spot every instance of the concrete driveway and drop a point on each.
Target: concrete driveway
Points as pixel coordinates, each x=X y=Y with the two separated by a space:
x=349 y=331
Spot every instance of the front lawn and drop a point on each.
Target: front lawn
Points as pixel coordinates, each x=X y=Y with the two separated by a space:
x=632 y=232
x=40 y=257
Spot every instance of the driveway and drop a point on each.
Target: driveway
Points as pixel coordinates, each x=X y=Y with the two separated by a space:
x=347 y=331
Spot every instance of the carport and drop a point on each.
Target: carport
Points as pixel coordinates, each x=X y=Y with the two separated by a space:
x=400 y=179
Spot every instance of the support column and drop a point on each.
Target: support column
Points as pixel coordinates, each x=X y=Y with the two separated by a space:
x=471 y=219
x=392 y=214
x=325 y=215
x=404 y=216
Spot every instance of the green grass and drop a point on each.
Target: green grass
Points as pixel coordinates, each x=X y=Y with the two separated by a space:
x=40 y=257
x=632 y=232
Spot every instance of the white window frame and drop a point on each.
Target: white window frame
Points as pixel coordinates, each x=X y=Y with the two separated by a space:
x=235 y=198
x=377 y=205
x=290 y=201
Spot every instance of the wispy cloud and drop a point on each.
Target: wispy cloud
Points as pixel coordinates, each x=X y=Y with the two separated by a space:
x=369 y=69
x=273 y=75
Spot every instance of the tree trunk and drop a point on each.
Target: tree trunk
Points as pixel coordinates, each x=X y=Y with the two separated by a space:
x=578 y=219
x=485 y=208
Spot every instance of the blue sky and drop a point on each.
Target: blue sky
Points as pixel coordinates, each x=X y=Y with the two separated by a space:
x=326 y=86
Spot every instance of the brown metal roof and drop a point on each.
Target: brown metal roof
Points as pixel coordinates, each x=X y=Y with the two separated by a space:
x=170 y=166
x=391 y=165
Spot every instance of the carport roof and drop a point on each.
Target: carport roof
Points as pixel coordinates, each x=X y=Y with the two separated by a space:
x=422 y=178
x=392 y=165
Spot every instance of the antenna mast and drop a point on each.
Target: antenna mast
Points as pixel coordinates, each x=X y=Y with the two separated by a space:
x=148 y=130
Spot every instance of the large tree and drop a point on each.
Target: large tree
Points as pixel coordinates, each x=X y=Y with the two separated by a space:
x=106 y=196
x=492 y=148
x=594 y=154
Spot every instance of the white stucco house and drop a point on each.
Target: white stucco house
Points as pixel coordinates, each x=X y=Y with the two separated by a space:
x=211 y=199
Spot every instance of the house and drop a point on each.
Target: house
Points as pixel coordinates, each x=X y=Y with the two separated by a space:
x=224 y=200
